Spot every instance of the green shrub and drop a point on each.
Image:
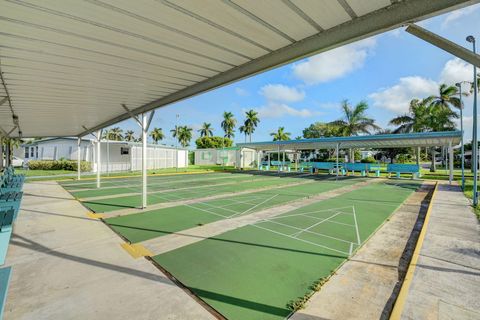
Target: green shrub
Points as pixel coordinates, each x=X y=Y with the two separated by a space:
x=368 y=160
x=71 y=165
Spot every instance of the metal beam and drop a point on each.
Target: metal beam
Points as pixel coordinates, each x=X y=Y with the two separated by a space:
x=134 y=117
x=144 y=160
x=382 y=20
x=444 y=44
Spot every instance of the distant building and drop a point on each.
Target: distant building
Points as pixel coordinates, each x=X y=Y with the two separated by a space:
x=231 y=156
x=115 y=155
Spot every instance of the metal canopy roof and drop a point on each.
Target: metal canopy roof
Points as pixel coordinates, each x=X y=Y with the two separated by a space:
x=70 y=65
x=422 y=139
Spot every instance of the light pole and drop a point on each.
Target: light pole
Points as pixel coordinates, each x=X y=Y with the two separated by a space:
x=459 y=85
x=471 y=39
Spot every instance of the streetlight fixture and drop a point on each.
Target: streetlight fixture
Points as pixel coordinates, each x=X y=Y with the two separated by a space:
x=459 y=85
x=471 y=39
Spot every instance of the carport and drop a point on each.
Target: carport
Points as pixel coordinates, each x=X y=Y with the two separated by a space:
x=447 y=139
x=72 y=68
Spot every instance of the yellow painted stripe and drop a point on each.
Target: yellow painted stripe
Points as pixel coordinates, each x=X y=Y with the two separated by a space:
x=94 y=215
x=149 y=175
x=402 y=296
x=136 y=250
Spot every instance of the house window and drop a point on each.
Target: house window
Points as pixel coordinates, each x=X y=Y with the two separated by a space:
x=26 y=152
x=55 y=153
x=36 y=152
x=124 y=150
x=32 y=152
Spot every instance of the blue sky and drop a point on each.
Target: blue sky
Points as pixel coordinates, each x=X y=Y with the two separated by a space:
x=387 y=71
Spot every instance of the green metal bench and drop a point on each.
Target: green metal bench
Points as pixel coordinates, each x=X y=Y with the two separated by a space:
x=4 y=282
x=6 y=222
x=399 y=168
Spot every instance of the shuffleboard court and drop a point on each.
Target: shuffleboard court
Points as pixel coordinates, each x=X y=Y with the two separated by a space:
x=113 y=181
x=117 y=203
x=151 y=224
x=165 y=185
x=253 y=272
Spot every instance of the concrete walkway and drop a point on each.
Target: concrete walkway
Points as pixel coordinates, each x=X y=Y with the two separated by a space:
x=446 y=281
x=362 y=288
x=68 y=266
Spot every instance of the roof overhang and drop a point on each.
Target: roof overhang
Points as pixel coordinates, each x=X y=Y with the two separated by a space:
x=70 y=65
x=421 y=139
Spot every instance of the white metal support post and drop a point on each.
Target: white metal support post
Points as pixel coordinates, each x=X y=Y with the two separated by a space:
x=99 y=163
x=79 y=150
x=278 y=158
x=336 y=153
x=144 y=160
x=450 y=156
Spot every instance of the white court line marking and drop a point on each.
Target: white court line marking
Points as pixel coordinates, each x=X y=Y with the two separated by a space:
x=212 y=206
x=315 y=224
x=207 y=211
x=308 y=231
x=356 y=225
x=310 y=212
x=244 y=212
x=306 y=241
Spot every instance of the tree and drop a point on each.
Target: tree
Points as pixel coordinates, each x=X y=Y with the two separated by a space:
x=157 y=135
x=320 y=129
x=206 y=130
x=129 y=136
x=280 y=135
x=213 y=142
x=298 y=138
x=184 y=135
x=447 y=97
x=354 y=121
x=228 y=124
x=114 y=134
x=416 y=120
x=243 y=129
x=251 y=123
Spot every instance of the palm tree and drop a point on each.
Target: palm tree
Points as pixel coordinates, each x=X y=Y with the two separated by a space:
x=129 y=136
x=417 y=120
x=298 y=138
x=184 y=135
x=251 y=123
x=206 y=130
x=228 y=124
x=447 y=97
x=354 y=121
x=243 y=129
x=280 y=135
x=113 y=134
x=157 y=135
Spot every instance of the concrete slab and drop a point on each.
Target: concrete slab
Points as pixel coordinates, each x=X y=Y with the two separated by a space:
x=446 y=281
x=69 y=266
x=363 y=286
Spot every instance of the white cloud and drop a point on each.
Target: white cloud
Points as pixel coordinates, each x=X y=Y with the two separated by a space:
x=456 y=70
x=458 y=14
x=335 y=63
x=278 y=110
x=397 y=98
x=241 y=92
x=282 y=93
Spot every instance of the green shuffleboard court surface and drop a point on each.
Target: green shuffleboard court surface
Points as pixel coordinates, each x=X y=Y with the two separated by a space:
x=108 y=182
x=151 y=224
x=253 y=272
x=112 y=204
x=162 y=185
